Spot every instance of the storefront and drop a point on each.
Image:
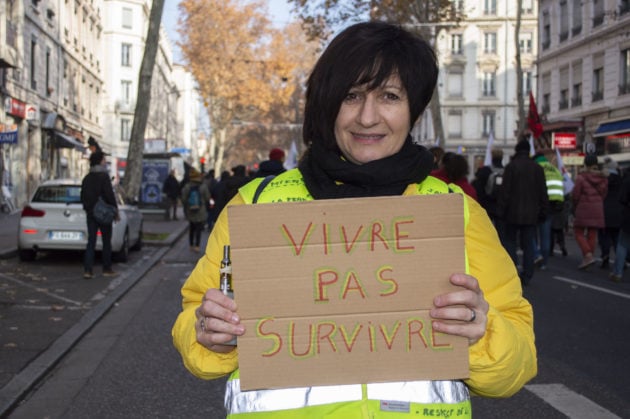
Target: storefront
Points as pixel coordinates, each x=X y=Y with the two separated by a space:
x=613 y=136
x=58 y=158
x=12 y=134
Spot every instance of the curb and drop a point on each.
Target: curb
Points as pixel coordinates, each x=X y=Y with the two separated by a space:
x=26 y=379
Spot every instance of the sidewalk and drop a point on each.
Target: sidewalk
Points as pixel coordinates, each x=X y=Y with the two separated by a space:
x=156 y=231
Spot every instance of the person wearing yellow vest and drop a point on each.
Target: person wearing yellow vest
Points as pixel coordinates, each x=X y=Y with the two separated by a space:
x=555 y=191
x=366 y=91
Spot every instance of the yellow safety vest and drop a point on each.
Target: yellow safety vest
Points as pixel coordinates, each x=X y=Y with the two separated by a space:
x=395 y=400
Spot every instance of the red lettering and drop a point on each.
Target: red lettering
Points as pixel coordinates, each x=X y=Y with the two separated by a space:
x=389 y=339
x=352 y=283
x=349 y=343
x=275 y=337
x=322 y=283
x=392 y=282
x=399 y=235
x=350 y=245
x=292 y=341
x=411 y=331
x=297 y=249
x=323 y=335
x=377 y=228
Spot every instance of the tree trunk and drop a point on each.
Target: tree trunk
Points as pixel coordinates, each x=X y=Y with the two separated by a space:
x=133 y=171
x=436 y=116
x=519 y=72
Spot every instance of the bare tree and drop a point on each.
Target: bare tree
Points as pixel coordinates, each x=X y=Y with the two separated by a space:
x=133 y=172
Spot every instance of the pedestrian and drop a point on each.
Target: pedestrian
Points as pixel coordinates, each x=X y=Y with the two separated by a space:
x=559 y=224
x=487 y=184
x=438 y=153
x=172 y=191
x=210 y=182
x=588 y=205
x=623 y=241
x=274 y=166
x=363 y=97
x=522 y=204
x=97 y=184
x=217 y=194
x=195 y=194
x=233 y=183
x=453 y=168
x=613 y=210
x=555 y=192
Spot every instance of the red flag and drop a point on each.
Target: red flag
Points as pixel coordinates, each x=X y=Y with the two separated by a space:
x=533 y=119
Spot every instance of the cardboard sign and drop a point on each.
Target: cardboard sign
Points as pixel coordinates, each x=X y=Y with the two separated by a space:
x=338 y=291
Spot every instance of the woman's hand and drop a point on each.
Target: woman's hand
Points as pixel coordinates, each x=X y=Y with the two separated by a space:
x=463 y=312
x=217 y=321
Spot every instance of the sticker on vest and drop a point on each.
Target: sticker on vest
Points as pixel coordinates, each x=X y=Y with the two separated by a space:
x=394 y=406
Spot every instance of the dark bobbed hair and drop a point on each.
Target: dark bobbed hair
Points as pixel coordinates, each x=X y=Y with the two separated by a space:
x=455 y=166
x=366 y=53
x=96 y=158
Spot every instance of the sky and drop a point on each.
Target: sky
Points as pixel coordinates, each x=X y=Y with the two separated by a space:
x=279 y=10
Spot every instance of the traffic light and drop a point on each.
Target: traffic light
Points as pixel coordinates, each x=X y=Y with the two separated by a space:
x=202 y=164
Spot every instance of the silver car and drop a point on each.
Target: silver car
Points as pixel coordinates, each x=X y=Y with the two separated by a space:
x=54 y=219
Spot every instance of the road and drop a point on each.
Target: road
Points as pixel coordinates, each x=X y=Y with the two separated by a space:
x=126 y=366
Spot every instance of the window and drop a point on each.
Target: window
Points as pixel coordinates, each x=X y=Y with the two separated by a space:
x=488 y=122
x=598 y=12
x=624 y=73
x=564 y=99
x=33 y=59
x=624 y=7
x=489 y=7
x=546 y=33
x=527 y=7
x=456 y=44
x=598 y=84
x=525 y=43
x=125 y=59
x=576 y=95
x=564 y=20
x=458 y=5
x=125 y=91
x=48 y=86
x=527 y=82
x=125 y=130
x=576 y=17
x=490 y=42
x=488 y=87
x=455 y=84
x=545 y=103
x=127 y=18
x=455 y=124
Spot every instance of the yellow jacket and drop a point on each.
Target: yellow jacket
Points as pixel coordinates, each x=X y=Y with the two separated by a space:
x=500 y=363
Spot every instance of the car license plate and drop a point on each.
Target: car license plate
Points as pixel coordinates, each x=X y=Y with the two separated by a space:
x=65 y=235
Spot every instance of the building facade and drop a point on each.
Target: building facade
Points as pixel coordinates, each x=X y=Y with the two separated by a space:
x=584 y=74
x=478 y=75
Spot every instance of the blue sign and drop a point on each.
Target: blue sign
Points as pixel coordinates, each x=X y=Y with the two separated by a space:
x=154 y=173
x=9 y=137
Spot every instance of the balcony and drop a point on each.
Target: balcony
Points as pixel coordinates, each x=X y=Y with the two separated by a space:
x=597 y=96
x=564 y=36
x=576 y=101
x=563 y=104
x=624 y=89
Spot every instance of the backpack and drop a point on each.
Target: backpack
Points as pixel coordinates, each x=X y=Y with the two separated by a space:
x=194 y=199
x=495 y=181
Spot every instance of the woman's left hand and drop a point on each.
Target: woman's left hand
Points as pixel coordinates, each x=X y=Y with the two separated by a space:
x=463 y=312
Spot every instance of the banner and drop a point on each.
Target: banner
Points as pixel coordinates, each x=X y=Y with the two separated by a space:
x=487 y=161
x=9 y=137
x=533 y=119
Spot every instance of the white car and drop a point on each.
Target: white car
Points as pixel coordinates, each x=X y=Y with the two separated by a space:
x=54 y=219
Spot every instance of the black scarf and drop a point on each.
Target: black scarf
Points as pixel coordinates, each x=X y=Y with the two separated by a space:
x=329 y=176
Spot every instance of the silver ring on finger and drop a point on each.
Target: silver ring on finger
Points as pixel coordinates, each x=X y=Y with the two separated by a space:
x=202 y=324
x=473 y=315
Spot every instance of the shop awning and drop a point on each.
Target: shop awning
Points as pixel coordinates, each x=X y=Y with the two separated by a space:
x=612 y=128
x=61 y=140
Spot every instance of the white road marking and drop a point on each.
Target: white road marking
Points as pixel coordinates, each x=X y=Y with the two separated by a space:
x=570 y=403
x=594 y=287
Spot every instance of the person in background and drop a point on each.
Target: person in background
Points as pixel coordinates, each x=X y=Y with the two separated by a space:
x=613 y=210
x=487 y=183
x=210 y=182
x=364 y=95
x=194 y=196
x=454 y=169
x=172 y=191
x=97 y=184
x=588 y=204
x=555 y=193
x=623 y=241
x=274 y=166
x=233 y=183
x=522 y=204
x=438 y=153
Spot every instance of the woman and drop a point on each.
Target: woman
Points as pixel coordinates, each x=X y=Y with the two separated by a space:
x=588 y=203
x=367 y=89
x=195 y=195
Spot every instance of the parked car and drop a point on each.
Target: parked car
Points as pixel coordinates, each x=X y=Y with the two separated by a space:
x=54 y=219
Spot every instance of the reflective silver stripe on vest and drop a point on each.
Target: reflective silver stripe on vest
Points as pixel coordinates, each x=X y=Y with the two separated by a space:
x=424 y=392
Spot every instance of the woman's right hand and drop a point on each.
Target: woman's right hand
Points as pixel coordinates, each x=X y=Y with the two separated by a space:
x=217 y=321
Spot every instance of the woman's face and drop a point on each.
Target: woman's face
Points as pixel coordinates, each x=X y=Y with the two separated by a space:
x=372 y=125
